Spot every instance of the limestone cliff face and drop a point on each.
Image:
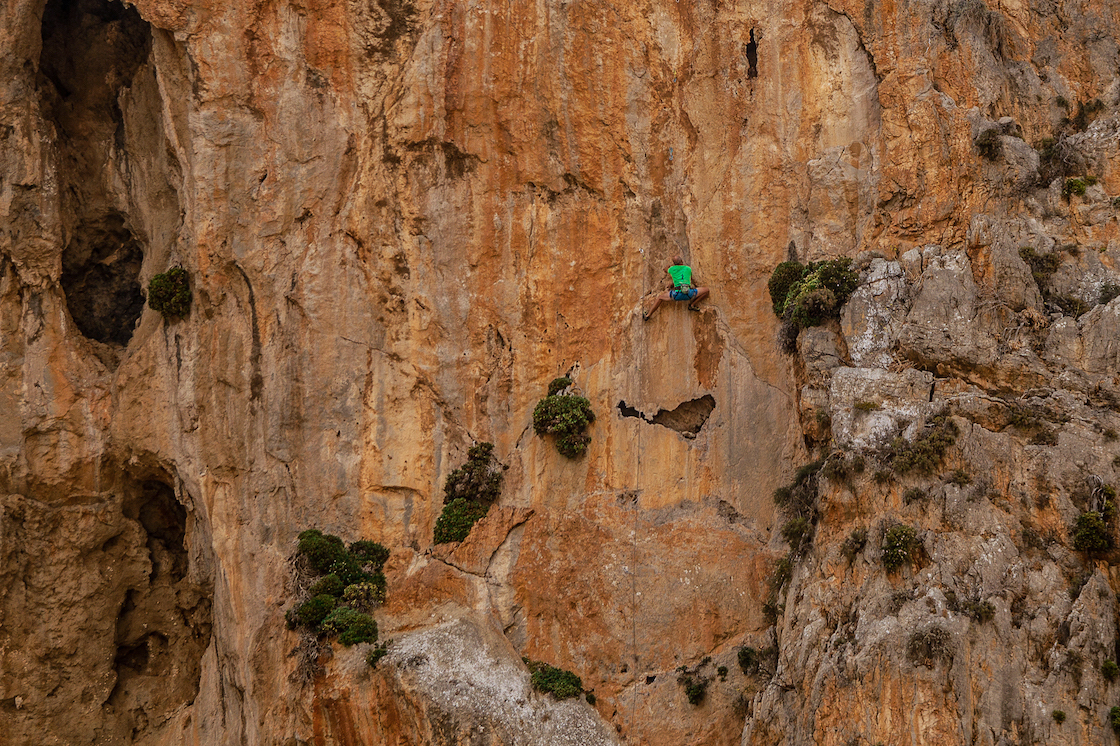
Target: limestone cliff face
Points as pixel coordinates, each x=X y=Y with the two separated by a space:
x=402 y=219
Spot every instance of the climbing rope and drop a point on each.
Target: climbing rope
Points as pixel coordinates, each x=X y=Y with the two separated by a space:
x=634 y=580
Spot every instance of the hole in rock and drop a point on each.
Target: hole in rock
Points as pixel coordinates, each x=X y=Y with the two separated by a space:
x=165 y=521
x=164 y=622
x=92 y=50
x=750 y=51
x=134 y=656
x=100 y=277
x=687 y=419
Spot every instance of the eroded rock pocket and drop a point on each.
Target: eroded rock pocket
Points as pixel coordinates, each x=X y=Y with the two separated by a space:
x=91 y=52
x=687 y=418
x=164 y=625
x=100 y=277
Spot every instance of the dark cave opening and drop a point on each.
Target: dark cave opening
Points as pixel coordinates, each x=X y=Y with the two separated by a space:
x=687 y=418
x=164 y=624
x=91 y=52
x=165 y=521
x=100 y=277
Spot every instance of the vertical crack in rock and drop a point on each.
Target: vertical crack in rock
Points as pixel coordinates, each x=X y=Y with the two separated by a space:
x=687 y=419
x=91 y=52
x=750 y=51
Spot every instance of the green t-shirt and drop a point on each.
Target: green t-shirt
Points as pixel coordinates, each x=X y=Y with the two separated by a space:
x=681 y=274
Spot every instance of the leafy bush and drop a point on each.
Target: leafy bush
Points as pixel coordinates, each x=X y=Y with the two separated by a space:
x=1109 y=290
x=328 y=585
x=989 y=144
x=558 y=384
x=457 y=519
x=349 y=570
x=924 y=453
x=1091 y=533
x=169 y=293
x=362 y=628
x=351 y=626
x=694 y=688
x=800 y=496
x=590 y=698
x=1114 y=719
x=795 y=531
x=369 y=553
x=1042 y=265
x=468 y=493
x=1110 y=670
x=927 y=647
x=1059 y=716
x=343 y=575
x=913 y=495
x=899 y=544
x=748 y=660
x=722 y=673
x=312 y=611
x=338 y=620
x=980 y=611
x=1074 y=186
x=840 y=468
x=375 y=654
x=866 y=406
x=321 y=550
x=478 y=480
x=555 y=681
x=784 y=276
x=365 y=596
x=959 y=477
x=854 y=544
x=807 y=296
x=1070 y=305
x=566 y=417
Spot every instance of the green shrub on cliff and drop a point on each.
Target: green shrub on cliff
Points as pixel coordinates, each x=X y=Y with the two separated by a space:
x=1091 y=533
x=350 y=582
x=457 y=520
x=899 y=544
x=804 y=296
x=169 y=293
x=468 y=493
x=479 y=480
x=311 y=612
x=555 y=681
x=784 y=276
x=565 y=416
x=328 y=585
x=807 y=296
x=925 y=452
x=352 y=627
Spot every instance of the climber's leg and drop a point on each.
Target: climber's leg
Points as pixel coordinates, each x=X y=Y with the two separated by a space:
x=660 y=299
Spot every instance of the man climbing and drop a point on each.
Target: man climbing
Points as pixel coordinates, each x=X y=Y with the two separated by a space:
x=679 y=287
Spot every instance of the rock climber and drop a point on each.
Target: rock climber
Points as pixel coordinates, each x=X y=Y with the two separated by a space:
x=679 y=287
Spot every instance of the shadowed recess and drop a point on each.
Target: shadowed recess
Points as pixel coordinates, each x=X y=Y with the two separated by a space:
x=686 y=419
x=91 y=52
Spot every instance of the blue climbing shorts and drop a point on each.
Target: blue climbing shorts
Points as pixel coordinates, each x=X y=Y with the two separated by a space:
x=683 y=294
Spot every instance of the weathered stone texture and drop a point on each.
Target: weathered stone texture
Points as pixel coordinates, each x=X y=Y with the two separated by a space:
x=402 y=219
